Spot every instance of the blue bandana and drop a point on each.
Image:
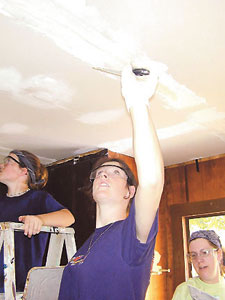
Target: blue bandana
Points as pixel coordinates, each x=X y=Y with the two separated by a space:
x=209 y=235
x=24 y=162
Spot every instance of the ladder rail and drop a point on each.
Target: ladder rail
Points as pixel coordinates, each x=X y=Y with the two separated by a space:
x=58 y=237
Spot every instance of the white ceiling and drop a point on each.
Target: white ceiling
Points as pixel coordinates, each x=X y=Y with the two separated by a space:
x=55 y=104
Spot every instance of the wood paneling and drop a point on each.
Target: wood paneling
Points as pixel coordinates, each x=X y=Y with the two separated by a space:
x=175 y=185
x=185 y=187
x=194 y=183
x=209 y=182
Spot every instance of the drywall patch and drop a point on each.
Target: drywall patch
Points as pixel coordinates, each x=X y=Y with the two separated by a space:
x=212 y=120
x=172 y=94
x=178 y=129
x=205 y=119
x=101 y=117
x=175 y=95
x=81 y=31
x=75 y=27
x=39 y=91
x=13 y=128
x=120 y=146
x=207 y=115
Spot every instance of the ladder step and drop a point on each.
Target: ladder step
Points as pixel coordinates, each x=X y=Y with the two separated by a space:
x=58 y=237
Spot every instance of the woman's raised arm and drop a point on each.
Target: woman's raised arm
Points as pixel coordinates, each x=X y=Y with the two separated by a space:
x=137 y=91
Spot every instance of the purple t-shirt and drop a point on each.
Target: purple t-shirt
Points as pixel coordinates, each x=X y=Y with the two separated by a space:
x=29 y=252
x=116 y=268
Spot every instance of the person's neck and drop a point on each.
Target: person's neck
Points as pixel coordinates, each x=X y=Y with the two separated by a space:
x=213 y=280
x=17 y=190
x=106 y=215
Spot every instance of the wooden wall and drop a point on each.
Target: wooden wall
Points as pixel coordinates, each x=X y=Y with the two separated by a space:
x=192 y=182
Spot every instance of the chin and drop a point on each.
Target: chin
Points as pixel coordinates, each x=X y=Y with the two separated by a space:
x=208 y=279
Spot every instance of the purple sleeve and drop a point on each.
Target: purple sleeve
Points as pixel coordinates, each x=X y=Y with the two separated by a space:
x=133 y=251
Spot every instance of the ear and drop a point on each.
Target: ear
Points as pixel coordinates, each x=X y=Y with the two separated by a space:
x=131 y=192
x=24 y=171
x=220 y=255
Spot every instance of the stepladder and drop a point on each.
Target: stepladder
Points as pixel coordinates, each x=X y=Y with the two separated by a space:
x=59 y=236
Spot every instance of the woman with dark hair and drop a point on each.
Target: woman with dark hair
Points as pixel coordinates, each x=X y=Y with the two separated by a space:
x=206 y=255
x=115 y=262
x=131 y=180
x=23 y=174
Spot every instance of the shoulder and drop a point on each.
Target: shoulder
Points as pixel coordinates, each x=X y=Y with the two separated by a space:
x=40 y=194
x=182 y=286
x=182 y=291
x=45 y=200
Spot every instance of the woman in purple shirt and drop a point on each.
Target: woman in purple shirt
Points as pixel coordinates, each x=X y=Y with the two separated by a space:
x=24 y=175
x=115 y=262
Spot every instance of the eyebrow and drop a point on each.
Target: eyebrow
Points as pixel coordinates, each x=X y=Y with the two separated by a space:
x=201 y=250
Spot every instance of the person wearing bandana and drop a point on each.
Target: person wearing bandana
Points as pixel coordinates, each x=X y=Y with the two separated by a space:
x=207 y=257
x=24 y=176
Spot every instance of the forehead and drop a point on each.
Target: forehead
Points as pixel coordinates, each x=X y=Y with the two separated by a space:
x=198 y=244
x=111 y=163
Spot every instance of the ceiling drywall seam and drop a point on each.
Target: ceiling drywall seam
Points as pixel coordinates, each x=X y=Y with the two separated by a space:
x=80 y=30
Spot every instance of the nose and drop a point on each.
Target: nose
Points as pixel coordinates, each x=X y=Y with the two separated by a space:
x=199 y=258
x=103 y=174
